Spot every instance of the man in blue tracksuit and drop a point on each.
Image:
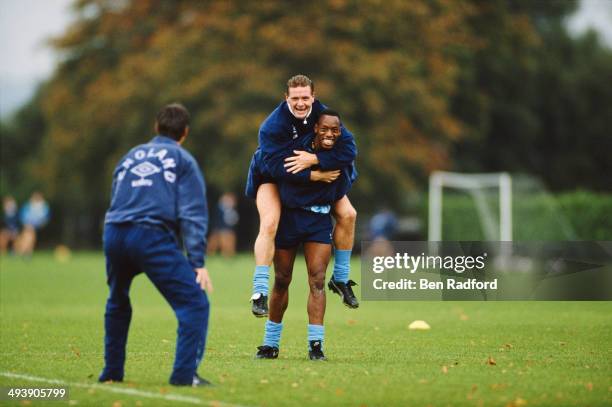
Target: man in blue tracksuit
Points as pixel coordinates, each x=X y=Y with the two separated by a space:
x=279 y=134
x=305 y=219
x=158 y=194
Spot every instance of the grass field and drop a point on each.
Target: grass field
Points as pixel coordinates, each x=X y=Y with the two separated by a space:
x=545 y=353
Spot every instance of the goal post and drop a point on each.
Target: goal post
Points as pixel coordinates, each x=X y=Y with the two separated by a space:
x=474 y=184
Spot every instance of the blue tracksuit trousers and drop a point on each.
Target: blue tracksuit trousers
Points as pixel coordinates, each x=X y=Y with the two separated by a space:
x=134 y=248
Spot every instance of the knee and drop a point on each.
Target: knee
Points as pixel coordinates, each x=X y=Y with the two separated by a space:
x=346 y=213
x=316 y=281
x=196 y=314
x=281 y=282
x=268 y=225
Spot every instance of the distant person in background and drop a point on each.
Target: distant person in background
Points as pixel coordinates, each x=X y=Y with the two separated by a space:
x=10 y=224
x=34 y=216
x=381 y=229
x=225 y=219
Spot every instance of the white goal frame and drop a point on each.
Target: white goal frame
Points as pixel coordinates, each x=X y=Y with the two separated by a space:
x=473 y=184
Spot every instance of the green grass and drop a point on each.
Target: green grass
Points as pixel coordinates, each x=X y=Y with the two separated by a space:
x=546 y=353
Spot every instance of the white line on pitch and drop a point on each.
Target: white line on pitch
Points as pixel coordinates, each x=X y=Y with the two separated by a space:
x=120 y=390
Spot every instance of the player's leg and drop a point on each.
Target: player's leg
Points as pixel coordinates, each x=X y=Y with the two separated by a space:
x=344 y=237
x=279 y=299
x=5 y=238
x=165 y=265
x=317 y=258
x=118 y=315
x=27 y=240
x=269 y=208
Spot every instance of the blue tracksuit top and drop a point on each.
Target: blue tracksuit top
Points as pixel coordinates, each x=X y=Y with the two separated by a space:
x=281 y=132
x=160 y=183
x=302 y=195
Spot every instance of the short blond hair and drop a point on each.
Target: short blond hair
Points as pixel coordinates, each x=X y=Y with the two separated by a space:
x=300 y=81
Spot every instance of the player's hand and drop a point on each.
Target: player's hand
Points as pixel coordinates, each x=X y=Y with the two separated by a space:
x=324 y=176
x=300 y=161
x=204 y=280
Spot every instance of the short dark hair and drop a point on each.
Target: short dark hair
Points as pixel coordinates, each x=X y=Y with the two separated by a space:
x=300 y=81
x=329 y=112
x=172 y=120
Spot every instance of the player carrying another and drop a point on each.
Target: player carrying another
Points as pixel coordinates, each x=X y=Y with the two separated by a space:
x=305 y=219
x=158 y=192
x=286 y=126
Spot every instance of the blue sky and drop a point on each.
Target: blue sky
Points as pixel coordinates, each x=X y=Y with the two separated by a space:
x=26 y=24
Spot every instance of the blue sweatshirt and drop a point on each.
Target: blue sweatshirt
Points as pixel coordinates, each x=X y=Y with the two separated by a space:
x=160 y=183
x=281 y=132
x=304 y=195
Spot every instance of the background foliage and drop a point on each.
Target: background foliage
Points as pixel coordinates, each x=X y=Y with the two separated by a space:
x=425 y=85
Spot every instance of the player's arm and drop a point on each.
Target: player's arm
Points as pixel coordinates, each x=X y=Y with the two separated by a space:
x=343 y=154
x=193 y=213
x=275 y=147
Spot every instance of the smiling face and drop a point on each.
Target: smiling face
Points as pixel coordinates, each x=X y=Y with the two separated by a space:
x=300 y=100
x=327 y=131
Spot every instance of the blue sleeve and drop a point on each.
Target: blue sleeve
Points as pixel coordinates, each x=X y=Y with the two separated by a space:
x=275 y=148
x=193 y=213
x=275 y=164
x=342 y=155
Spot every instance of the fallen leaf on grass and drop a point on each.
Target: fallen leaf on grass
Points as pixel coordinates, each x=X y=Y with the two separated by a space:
x=518 y=402
x=589 y=386
x=491 y=361
x=351 y=321
x=294 y=385
x=339 y=392
x=76 y=351
x=444 y=369
x=117 y=404
x=463 y=317
x=264 y=381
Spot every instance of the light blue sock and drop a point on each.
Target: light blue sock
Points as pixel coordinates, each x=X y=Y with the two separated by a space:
x=342 y=267
x=273 y=333
x=260 y=279
x=316 y=333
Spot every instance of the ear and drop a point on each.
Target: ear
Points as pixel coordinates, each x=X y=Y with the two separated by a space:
x=184 y=136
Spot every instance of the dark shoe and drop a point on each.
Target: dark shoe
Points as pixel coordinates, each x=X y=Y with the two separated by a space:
x=345 y=291
x=200 y=381
x=316 y=351
x=266 y=352
x=197 y=381
x=259 y=305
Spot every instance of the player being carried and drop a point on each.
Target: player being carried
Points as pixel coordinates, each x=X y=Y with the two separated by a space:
x=305 y=219
x=277 y=159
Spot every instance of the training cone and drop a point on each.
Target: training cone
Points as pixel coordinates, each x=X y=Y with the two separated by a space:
x=419 y=325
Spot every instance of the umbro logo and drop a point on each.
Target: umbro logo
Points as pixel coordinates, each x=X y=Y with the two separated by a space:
x=144 y=169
